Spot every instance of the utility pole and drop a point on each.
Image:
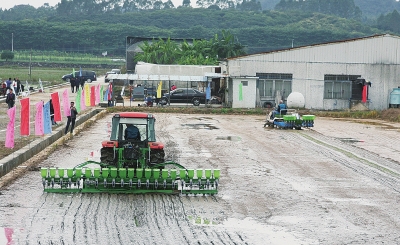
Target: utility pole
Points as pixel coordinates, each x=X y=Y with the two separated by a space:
x=12 y=42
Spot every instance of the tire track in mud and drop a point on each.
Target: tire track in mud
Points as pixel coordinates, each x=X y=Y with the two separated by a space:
x=368 y=164
x=245 y=190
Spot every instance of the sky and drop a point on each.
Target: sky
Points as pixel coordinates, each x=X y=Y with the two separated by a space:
x=7 y=4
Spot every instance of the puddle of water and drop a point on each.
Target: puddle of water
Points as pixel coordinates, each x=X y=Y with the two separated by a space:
x=200 y=126
x=350 y=140
x=231 y=138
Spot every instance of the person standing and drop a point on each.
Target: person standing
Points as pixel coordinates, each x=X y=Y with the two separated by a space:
x=82 y=82
x=9 y=83
x=77 y=83
x=10 y=100
x=14 y=85
x=18 y=87
x=53 y=122
x=72 y=81
x=71 y=118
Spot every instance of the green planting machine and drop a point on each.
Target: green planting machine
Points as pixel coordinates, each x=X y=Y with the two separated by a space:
x=289 y=119
x=131 y=166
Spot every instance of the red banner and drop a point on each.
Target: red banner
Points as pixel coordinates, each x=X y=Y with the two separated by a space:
x=25 y=116
x=56 y=105
x=92 y=96
x=364 y=94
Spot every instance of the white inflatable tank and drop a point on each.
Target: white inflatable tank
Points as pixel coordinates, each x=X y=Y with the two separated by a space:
x=295 y=100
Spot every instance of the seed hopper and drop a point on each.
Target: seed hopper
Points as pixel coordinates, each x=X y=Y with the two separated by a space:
x=131 y=166
x=289 y=119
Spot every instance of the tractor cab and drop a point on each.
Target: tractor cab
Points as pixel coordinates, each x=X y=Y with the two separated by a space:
x=121 y=128
x=132 y=141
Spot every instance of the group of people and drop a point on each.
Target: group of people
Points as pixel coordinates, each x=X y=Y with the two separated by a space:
x=9 y=89
x=75 y=83
x=14 y=84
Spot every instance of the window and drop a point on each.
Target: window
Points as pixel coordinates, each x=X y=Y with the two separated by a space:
x=338 y=86
x=245 y=83
x=269 y=84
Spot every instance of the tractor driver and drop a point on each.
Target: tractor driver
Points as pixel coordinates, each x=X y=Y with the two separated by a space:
x=131 y=132
x=280 y=109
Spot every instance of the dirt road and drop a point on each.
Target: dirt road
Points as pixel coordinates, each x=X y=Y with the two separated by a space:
x=338 y=183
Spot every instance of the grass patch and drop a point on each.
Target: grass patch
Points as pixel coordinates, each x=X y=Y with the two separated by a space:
x=51 y=75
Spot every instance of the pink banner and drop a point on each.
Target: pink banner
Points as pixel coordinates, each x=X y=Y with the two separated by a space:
x=9 y=233
x=83 y=105
x=56 y=105
x=97 y=100
x=39 y=126
x=25 y=117
x=109 y=95
x=92 y=96
x=10 y=128
x=67 y=110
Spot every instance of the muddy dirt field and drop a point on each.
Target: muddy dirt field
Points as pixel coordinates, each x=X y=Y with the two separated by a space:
x=337 y=183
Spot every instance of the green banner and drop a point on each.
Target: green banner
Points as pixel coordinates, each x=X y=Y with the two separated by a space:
x=78 y=100
x=240 y=91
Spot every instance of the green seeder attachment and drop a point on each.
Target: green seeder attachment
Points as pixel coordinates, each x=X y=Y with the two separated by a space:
x=109 y=179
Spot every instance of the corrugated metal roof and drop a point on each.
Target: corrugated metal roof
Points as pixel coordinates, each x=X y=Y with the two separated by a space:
x=157 y=77
x=314 y=45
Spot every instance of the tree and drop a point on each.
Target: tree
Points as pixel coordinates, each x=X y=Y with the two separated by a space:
x=199 y=52
x=7 y=55
x=186 y=3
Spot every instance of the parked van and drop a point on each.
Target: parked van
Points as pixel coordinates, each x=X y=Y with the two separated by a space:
x=87 y=76
x=113 y=71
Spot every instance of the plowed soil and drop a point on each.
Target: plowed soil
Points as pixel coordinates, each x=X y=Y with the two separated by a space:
x=337 y=183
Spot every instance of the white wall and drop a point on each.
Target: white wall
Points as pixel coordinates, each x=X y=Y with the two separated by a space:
x=308 y=75
x=248 y=93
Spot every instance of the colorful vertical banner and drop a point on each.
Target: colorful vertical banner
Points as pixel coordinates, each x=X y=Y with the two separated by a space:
x=105 y=96
x=97 y=99
x=25 y=117
x=93 y=96
x=10 y=127
x=46 y=118
x=73 y=72
x=83 y=105
x=39 y=128
x=159 y=95
x=240 y=91
x=102 y=93
x=87 y=95
x=9 y=233
x=56 y=105
x=78 y=100
x=80 y=71
x=109 y=94
x=208 y=91
x=364 y=94
x=67 y=110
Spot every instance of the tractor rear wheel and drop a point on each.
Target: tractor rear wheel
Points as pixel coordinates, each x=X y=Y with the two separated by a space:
x=157 y=156
x=107 y=155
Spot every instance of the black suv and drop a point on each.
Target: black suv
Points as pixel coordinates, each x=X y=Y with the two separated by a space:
x=184 y=95
x=87 y=76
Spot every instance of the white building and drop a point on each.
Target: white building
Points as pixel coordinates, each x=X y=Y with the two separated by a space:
x=328 y=75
